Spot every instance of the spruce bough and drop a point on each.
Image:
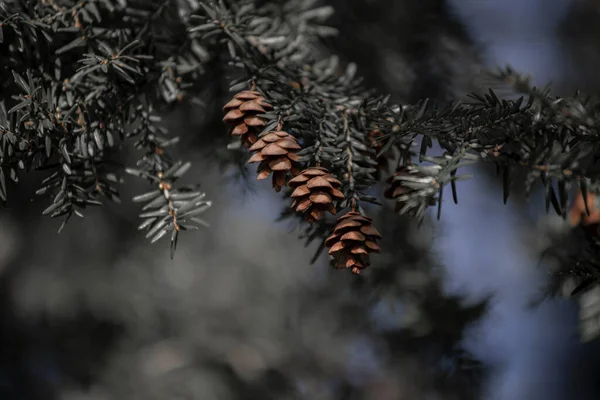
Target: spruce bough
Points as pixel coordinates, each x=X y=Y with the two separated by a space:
x=84 y=79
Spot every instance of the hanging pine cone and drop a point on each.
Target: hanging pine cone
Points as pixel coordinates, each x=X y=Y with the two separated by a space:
x=242 y=114
x=276 y=152
x=315 y=192
x=353 y=238
x=396 y=189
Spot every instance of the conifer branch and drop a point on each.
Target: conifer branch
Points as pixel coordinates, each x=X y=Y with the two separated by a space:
x=126 y=57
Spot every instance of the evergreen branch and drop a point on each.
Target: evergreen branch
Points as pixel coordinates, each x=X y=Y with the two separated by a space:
x=72 y=115
x=157 y=50
x=168 y=209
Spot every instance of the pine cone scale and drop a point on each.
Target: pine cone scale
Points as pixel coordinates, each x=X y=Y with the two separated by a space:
x=354 y=235
x=278 y=180
x=252 y=106
x=255 y=121
x=320 y=198
x=345 y=224
x=280 y=164
x=233 y=115
x=240 y=129
x=300 y=191
x=336 y=193
x=256 y=157
x=233 y=103
x=370 y=230
x=272 y=137
x=303 y=205
x=248 y=95
x=359 y=250
x=264 y=174
x=336 y=247
x=273 y=149
x=319 y=181
x=372 y=245
x=289 y=144
x=300 y=179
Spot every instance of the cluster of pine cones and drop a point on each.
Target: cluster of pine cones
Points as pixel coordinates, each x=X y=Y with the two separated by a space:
x=315 y=189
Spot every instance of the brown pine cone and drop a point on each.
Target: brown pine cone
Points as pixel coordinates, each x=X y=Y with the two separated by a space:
x=276 y=152
x=315 y=191
x=353 y=238
x=242 y=114
x=395 y=188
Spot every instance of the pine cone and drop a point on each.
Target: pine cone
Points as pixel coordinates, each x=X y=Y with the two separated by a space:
x=353 y=238
x=242 y=113
x=276 y=152
x=315 y=191
x=396 y=189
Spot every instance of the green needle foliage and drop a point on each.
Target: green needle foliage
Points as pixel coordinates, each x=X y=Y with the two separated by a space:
x=82 y=78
